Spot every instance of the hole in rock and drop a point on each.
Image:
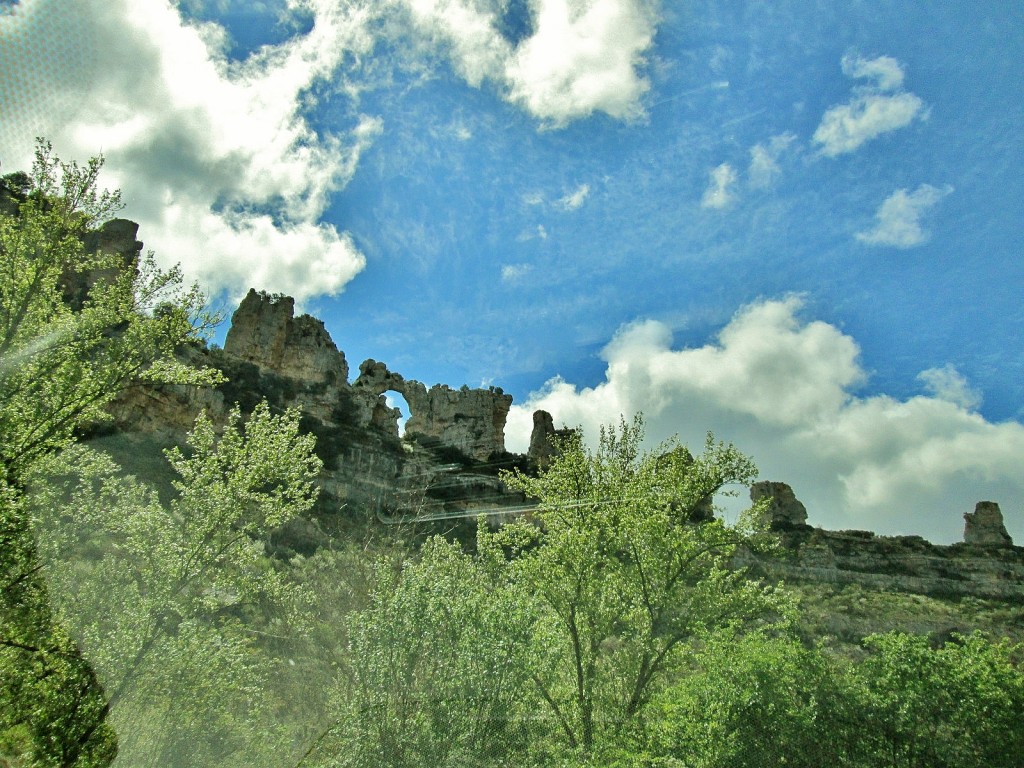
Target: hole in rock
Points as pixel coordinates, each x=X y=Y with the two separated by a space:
x=395 y=400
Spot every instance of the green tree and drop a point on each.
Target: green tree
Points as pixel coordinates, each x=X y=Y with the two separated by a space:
x=76 y=328
x=751 y=701
x=922 y=707
x=163 y=598
x=620 y=578
x=436 y=670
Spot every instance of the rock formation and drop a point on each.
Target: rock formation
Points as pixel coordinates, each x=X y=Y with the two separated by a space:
x=890 y=563
x=115 y=238
x=470 y=420
x=785 y=512
x=984 y=526
x=370 y=474
x=265 y=331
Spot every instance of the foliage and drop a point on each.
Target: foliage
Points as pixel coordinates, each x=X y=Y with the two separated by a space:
x=76 y=328
x=547 y=645
x=436 y=669
x=63 y=355
x=750 y=701
x=922 y=707
x=162 y=598
x=618 y=577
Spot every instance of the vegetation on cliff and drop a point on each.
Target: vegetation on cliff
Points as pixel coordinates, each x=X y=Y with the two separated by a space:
x=160 y=620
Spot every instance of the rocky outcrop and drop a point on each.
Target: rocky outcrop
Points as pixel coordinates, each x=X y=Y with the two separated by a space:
x=784 y=511
x=984 y=526
x=264 y=331
x=986 y=565
x=116 y=238
x=542 y=446
x=470 y=420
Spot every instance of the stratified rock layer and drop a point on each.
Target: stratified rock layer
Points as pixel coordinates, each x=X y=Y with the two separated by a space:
x=986 y=565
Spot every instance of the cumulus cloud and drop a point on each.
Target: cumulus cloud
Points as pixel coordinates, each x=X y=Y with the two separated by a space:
x=583 y=56
x=785 y=391
x=574 y=199
x=876 y=108
x=946 y=383
x=721 y=187
x=886 y=71
x=216 y=159
x=898 y=219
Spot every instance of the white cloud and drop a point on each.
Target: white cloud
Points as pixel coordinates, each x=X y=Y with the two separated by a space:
x=874 y=109
x=216 y=160
x=583 y=56
x=886 y=71
x=575 y=199
x=764 y=160
x=948 y=384
x=784 y=391
x=468 y=29
x=898 y=219
x=721 y=185
x=513 y=273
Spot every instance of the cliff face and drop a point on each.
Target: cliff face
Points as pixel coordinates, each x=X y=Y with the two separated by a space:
x=985 y=565
x=445 y=464
x=454 y=441
x=265 y=331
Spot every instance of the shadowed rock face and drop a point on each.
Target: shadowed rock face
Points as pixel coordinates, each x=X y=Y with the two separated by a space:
x=785 y=511
x=984 y=526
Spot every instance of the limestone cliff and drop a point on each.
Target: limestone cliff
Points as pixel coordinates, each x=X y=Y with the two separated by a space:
x=446 y=464
x=469 y=420
x=985 y=565
x=265 y=331
x=443 y=467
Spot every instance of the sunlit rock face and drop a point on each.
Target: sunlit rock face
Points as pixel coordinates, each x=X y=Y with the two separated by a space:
x=265 y=331
x=984 y=526
x=470 y=420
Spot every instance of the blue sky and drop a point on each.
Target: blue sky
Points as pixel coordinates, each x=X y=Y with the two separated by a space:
x=796 y=224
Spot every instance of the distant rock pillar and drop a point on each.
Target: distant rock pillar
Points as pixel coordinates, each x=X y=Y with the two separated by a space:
x=542 y=447
x=785 y=511
x=984 y=526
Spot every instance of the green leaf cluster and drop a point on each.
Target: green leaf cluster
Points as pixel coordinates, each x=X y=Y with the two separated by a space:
x=77 y=326
x=163 y=598
x=548 y=644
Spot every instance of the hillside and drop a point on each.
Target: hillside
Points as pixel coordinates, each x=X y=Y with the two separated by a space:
x=443 y=472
